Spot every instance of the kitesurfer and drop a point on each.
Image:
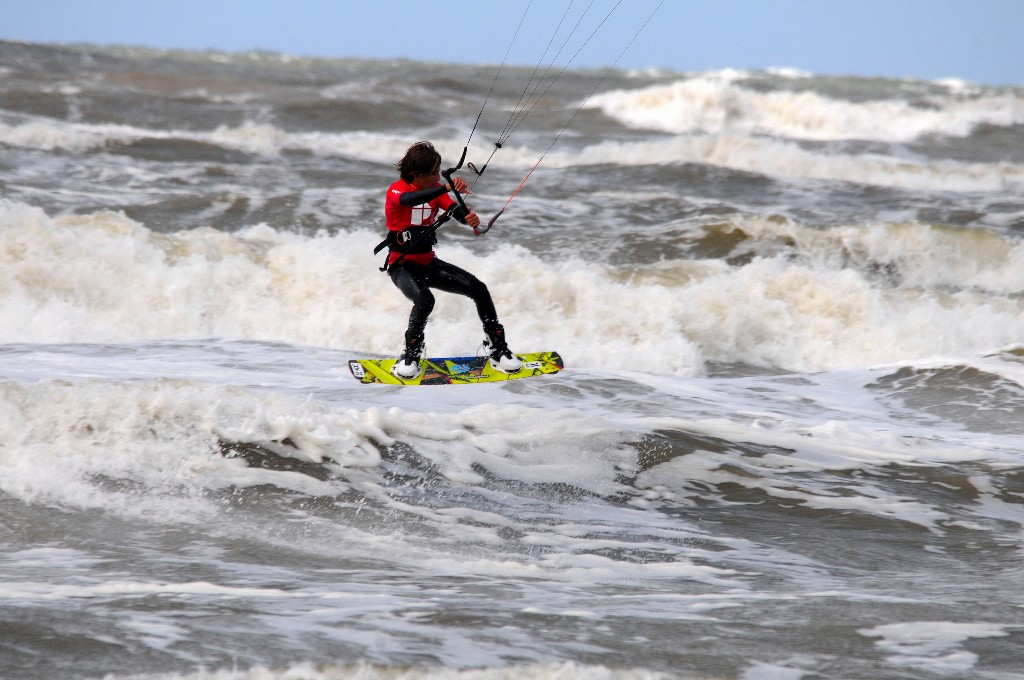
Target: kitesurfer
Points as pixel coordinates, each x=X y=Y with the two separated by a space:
x=412 y=208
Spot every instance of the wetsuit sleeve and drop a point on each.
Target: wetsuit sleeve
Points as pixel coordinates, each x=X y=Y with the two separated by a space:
x=411 y=198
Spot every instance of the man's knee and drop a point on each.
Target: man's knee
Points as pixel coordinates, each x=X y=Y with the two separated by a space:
x=424 y=302
x=478 y=289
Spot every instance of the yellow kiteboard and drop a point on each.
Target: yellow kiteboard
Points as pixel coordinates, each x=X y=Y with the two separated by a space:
x=455 y=370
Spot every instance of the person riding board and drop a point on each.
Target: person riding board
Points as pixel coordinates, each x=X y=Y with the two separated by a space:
x=411 y=209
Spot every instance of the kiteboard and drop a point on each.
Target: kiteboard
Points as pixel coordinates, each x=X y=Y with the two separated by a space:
x=454 y=370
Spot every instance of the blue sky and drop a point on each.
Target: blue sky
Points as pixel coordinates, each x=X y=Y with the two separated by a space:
x=976 y=40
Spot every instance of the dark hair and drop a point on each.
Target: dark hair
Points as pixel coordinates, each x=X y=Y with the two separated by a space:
x=420 y=159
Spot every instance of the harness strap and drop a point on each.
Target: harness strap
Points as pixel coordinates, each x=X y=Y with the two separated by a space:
x=411 y=240
x=408 y=240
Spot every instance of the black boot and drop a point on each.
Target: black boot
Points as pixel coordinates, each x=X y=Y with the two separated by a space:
x=498 y=351
x=408 y=365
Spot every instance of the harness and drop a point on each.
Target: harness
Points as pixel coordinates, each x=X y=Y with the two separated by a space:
x=409 y=240
x=412 y=239
x=421 y=239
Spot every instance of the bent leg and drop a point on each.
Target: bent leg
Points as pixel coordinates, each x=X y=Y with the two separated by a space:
x=451 y=279
x=412 y=281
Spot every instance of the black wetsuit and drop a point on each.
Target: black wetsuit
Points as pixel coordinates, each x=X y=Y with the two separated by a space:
x=415 y=278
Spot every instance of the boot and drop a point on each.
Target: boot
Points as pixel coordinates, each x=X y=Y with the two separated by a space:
x=408 y=366
x=501 y=357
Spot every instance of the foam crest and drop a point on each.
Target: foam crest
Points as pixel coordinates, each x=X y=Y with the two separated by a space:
x=105 y=278
x=541 y=671
x=178 y=438
x=809 y=315
x=933 y=646
x=729 y=148
x=911 y=254
x=805 y=318
x=63 y=440
x=797 y=457
x=779 y=158
x=516 y=442
x=48 y=134
x=724 y=105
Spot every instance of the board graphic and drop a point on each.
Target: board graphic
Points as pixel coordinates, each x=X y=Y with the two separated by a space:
x=455 y=370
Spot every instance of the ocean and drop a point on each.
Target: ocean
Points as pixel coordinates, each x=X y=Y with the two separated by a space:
x=788 y=442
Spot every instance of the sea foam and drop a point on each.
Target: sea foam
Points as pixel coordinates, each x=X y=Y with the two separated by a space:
x=726 y=105
x=853 y=296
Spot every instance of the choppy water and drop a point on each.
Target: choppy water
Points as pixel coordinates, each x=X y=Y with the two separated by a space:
x=789 y=442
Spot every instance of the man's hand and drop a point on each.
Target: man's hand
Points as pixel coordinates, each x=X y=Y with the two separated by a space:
x=473 y=220
x=460 y=185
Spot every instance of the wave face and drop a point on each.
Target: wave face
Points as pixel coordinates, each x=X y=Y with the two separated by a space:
x=791 y=313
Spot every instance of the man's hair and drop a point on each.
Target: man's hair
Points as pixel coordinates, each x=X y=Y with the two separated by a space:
x=420 y=159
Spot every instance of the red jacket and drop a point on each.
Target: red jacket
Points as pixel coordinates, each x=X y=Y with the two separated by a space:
x=401 y=217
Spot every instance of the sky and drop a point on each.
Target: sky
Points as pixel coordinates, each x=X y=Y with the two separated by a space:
x=978 y=41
